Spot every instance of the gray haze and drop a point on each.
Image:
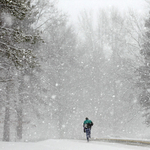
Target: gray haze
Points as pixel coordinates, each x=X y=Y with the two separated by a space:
x=58 y=66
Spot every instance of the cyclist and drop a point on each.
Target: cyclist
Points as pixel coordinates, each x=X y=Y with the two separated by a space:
x=87 y=128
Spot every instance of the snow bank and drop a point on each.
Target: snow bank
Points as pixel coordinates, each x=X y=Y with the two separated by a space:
x=67 y=145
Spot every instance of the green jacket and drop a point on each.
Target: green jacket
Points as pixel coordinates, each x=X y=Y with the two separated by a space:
x=87 y=121
x=87 y=124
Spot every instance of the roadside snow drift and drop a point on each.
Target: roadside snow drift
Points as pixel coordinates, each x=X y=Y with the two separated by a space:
x=67 y=145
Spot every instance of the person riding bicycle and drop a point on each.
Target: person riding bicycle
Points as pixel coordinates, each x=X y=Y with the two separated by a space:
x=87 y=127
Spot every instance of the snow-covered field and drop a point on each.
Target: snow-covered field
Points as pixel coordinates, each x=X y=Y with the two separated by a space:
x=67 y=145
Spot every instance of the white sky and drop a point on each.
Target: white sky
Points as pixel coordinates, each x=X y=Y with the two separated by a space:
x=74 y=7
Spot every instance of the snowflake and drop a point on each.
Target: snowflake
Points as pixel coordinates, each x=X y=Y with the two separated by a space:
x=53 y=96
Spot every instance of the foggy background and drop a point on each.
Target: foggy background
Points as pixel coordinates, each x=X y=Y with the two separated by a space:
x=62 y=61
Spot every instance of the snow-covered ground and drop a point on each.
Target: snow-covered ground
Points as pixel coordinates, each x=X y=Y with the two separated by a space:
x=67 y=145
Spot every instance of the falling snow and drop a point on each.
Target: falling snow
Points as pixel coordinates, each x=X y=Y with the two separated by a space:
x=54 y=73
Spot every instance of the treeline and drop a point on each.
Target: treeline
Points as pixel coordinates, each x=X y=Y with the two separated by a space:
x=54 y=74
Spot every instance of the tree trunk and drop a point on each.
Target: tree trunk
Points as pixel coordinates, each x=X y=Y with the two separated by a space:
x=19 y=108
x=60 y=123
x=19 y=125
x=6 y=133
x=6 y=130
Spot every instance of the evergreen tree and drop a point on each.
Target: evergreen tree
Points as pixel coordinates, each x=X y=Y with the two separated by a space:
x=11 y=35
x=16 y=51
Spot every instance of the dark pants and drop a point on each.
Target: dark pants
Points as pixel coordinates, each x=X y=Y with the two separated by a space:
x=88 y=132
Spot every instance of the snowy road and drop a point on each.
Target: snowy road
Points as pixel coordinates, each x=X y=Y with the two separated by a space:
x=68 y=145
